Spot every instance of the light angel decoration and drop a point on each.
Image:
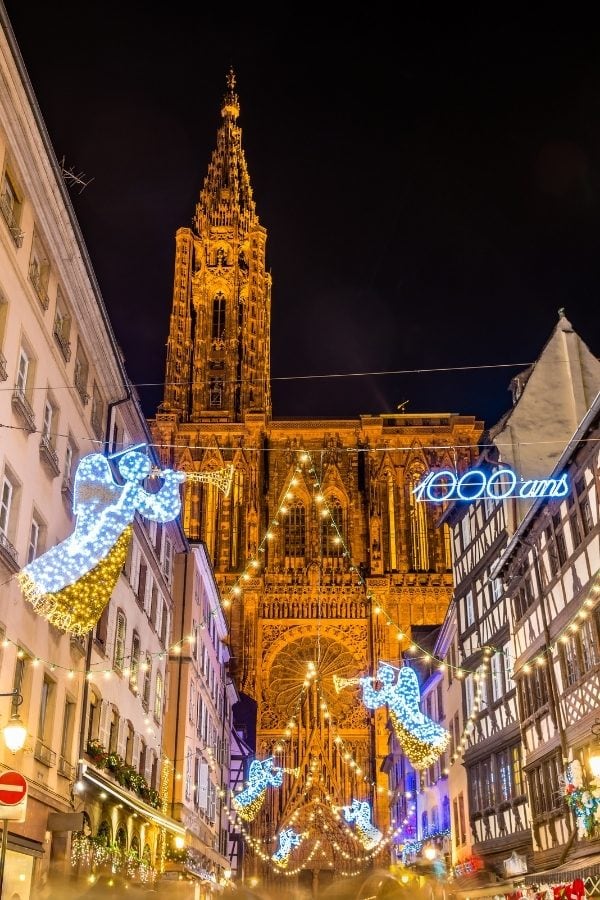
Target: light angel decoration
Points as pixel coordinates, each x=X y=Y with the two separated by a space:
x=422 y=740
x=288 y=839
x=261 y=775
x=360 y=813
x=73 y=581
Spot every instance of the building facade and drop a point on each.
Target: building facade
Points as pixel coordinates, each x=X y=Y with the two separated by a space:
x=551 y=572
x=320 y=550
x=92 y=701
x=549 y=400
x=198 y=727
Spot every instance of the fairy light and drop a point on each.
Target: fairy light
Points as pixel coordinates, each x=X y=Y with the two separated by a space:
x=261 y=775
x=360 y=813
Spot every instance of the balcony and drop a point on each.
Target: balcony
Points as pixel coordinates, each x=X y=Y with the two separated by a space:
x=44 y=754
x=48 y=456
x=8 y=214
x=3 y=372
x=22 y=408
x=80 y=385
x=66 y=769
x=8 y=553
x=62 y=341
x=39 y=287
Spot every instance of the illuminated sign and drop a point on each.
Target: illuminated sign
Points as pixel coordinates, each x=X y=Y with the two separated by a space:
x=443 y=485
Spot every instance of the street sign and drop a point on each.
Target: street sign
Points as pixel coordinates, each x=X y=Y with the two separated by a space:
x=13 y=788
x=13 y=796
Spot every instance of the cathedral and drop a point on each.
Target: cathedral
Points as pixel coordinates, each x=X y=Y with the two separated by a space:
x=325 y=561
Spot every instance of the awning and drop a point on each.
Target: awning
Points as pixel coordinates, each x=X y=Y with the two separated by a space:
x=583 y=867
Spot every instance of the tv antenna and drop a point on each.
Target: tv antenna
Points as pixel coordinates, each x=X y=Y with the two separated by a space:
x=74 y=178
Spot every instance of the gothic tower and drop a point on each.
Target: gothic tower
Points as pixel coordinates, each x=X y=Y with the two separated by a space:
x=324 y=560
x=218 y=350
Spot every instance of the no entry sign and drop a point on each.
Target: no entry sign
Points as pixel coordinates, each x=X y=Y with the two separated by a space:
x=13 y=796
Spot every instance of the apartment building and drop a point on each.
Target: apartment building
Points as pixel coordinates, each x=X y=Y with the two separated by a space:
x=92 y=704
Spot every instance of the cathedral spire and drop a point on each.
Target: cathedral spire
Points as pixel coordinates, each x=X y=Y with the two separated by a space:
x=226 y=198
x=231 y=103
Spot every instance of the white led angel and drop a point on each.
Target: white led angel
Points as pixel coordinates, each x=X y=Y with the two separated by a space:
x=72 y=582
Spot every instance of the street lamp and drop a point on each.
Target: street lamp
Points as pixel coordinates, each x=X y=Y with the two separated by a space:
x=15 y=732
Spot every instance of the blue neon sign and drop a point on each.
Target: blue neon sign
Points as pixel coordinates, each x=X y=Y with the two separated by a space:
x=444 y=484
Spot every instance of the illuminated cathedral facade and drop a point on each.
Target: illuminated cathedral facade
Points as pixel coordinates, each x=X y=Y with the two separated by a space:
x=324 y=559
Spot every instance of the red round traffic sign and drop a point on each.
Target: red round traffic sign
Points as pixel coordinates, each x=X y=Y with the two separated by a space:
x=13 y=788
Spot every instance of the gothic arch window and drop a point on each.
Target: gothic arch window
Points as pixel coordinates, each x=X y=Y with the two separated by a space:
x=390 y=520
x=294 y=534
x=104 y=834
x=237 y=499
x=191 y=510
x=210 y=516
x=135 y=845
x=121 y=838
x=218 y=318
x=332 y=531
x=418 y=524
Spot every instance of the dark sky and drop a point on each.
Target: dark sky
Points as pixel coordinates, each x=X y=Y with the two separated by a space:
x=430 y=188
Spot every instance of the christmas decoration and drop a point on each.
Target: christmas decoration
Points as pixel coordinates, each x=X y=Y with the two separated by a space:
x=261 y=775
x=288 y=838
x=72 y=582
x=360 y=813
x=421 y=739
x=583 y=799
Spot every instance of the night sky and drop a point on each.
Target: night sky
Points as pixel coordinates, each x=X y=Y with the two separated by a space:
x=430 y=189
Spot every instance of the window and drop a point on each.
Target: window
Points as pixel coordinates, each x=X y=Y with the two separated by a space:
x=524 y=595
x=533 y=692
x=218 y=318
x=119 y=656
x=546 y=796
x=445 y=813
x=20 y=680
x=469 y=609
x=9 y=503
x=164 y=625
x=134 y=666
x=153 y=604
x=45 y=718
x=497 y=675
x=34 y=540
x=216 y=387
x=68 y=469
x=469 y=694
x=158 y=697
x=94 y=717
x=81 y=374
x=147 y=681
x=462 y=820
x=585 y=509
x=579 y=652
x=22 y=379
x=294 y=535
x=141 y=588
x=129 y=744
x=142 y=758
x=496 y=779
x=332 y=546
x=113 y=732
x=97 y=415
x=11 y=206
x=66 y=740
x=62 y=326
x=39 y=271
x=419 y=541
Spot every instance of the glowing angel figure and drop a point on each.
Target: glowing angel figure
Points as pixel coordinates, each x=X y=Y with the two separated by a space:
x=72 y=582
x=422 y=740
x=288 y=839
x=360 y=813
x=261 y=775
